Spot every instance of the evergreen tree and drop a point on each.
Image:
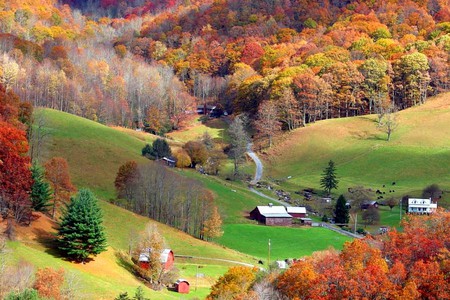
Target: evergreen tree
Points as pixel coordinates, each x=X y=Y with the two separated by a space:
x=40 y=190
x=161 y=148
x=329 y=180
x=80 y=232
x=122 y=296
x=147 y=151
x=341 y=211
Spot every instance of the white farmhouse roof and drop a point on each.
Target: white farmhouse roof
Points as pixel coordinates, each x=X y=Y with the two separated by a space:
x=273 y=211
x=296 y=210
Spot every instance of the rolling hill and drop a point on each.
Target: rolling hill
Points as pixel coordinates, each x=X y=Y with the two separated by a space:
x=94 y=153
x=417 y=155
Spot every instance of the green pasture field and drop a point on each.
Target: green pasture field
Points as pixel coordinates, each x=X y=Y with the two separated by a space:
x=286 y=242
x=417 y=155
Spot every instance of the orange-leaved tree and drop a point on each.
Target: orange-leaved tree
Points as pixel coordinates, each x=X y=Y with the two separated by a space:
x=48 y=283
x=234 y=284
x=57 y=173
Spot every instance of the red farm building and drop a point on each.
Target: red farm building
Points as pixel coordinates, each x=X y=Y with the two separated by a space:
x=297 y=212
x=271 y=215
x=182 y=286
x=167 y=259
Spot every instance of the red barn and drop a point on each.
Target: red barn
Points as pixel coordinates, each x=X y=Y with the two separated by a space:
x=182 y=286
x=167 y=259
x=271 y=215
x=297 y=212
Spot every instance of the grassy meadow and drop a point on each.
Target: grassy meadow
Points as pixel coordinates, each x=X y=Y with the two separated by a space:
x=417 y=155
x=286 y=242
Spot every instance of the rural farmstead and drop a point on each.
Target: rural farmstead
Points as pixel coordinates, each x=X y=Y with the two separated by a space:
x=271 y=215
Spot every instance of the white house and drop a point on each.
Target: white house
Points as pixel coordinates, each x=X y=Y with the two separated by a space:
x=421 y=206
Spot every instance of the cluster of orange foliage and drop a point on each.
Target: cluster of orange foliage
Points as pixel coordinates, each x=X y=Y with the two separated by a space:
x=411 y=264
x=15 y=176
x=48 y=283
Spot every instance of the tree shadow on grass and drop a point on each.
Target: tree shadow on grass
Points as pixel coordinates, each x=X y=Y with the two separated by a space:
x=366 y=135
x=124 y=262
x=49 y=241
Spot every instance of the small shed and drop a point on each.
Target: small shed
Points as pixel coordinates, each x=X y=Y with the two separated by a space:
x=306 y=221
x=171 y=162
x=182 y=286
x=271 y=215
x=214 y=111
x=367 y=204
x=281 y=264
x=297 y=212
x=167 y=259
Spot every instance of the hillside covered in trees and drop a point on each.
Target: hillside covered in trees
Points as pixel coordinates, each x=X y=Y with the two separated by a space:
x=136 y=63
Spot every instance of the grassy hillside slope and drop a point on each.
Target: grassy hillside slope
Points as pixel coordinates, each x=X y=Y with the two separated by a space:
x=417 y=155
x=94 y=153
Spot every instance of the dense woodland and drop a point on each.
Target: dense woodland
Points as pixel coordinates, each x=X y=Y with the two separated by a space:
x=142 y=63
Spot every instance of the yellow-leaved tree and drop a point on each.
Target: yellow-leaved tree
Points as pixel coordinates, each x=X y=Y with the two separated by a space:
x=213 y=226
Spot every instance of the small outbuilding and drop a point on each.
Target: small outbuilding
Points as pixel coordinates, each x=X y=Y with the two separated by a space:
x=306 y=221
x=182 y=286
x=367 y=204
x=297 y=212
x=271 y=215
x=171 y=162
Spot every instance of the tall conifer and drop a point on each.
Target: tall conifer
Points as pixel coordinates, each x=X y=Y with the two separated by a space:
x=329 y=180
x=40 y=190
x=80 y=232
x=341 y=211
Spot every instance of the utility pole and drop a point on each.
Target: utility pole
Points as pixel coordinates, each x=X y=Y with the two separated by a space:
x=268 y=264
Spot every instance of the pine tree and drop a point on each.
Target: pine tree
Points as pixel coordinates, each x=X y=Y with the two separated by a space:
x=80 y=232
x=329 y=180
x=341 y=211
x=40 y=190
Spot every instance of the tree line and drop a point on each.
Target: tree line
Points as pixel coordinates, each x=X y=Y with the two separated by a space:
x=154 y=191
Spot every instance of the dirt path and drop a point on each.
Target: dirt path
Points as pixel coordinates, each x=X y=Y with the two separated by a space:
x=216 y=259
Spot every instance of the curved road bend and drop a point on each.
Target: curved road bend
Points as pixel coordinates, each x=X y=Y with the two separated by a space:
x=258 y=163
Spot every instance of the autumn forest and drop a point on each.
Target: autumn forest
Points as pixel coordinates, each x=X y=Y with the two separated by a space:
x=139 y=63
x=273 y=66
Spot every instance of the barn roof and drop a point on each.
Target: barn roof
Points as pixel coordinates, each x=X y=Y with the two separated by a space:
x=165 y=255
x=296 y=210
x=181 y=280
x=273 y=211
x=145 y=256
